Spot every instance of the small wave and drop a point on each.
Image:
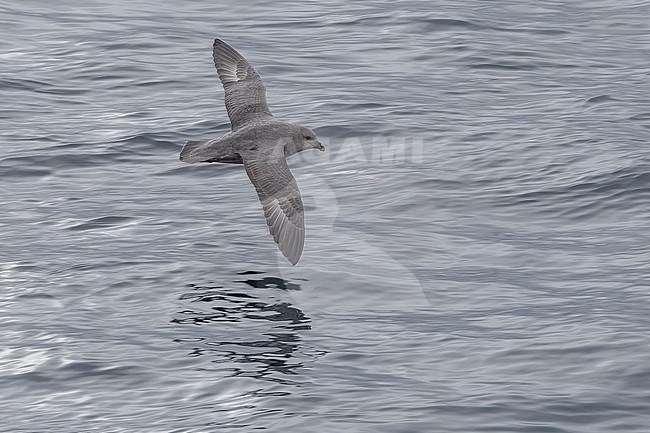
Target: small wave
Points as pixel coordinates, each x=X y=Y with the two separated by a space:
x=623 y=190
x=600 y=98
x=47 y=164
x=101 y=223
x=511 y=66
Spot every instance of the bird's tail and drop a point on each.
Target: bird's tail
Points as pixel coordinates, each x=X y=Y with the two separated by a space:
x=188 y=148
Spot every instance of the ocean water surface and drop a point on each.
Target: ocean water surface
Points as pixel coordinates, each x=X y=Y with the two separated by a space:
x=477 y=251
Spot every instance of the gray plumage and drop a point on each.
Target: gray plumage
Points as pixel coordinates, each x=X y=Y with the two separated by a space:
x=261 y=142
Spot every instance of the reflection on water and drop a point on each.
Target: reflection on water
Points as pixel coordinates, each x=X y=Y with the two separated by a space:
x=264 y=346
x=272 y=282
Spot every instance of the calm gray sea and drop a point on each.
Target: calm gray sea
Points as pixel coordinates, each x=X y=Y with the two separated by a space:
x=478 y=233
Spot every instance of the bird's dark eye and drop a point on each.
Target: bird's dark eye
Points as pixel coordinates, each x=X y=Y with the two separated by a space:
x=307 y=137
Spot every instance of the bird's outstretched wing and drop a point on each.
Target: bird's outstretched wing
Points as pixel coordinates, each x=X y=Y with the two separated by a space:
x=278 y=192
x=245 y=91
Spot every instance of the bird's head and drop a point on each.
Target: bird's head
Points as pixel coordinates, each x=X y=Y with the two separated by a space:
x=306 y=139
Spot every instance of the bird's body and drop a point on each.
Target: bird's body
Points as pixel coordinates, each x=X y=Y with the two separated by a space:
x=260 y=142
x=228 y=148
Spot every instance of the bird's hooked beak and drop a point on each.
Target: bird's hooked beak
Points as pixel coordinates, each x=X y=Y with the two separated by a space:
x=321 y=147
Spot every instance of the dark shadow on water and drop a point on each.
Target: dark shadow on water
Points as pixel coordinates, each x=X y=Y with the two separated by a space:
x=268 y=282
x=245 y=329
